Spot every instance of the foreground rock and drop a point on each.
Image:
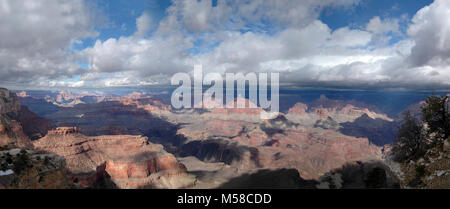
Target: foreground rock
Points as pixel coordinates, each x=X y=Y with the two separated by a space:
x=432 y=171
x=115 y=161
x=26 y=169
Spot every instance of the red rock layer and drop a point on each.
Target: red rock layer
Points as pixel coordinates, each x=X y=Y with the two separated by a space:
x=12 y=135
x=144 y=102
x=130 y=161
x=312 y=151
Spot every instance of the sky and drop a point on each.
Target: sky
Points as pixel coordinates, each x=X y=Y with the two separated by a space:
x=354 y=44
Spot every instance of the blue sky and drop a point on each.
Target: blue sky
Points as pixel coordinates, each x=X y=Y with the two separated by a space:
x=362 y=13
x=343 y=43
x=121 y=15
x=124 y=13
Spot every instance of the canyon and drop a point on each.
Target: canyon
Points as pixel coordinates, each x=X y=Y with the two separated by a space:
x=119 y=161
x=137 y=140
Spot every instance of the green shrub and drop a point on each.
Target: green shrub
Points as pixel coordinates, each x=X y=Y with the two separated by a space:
x=436 y=114
x=411 y=142
x=21 y=162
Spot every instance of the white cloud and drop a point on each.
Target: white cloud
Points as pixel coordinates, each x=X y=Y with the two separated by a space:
x=378 y=26
x=144 y=24
x=430 y=29
x=283 y=36
x=383 y=30
x=346 y=37
x=201 y=16
x=166 y=52
x=311 y=54
x=35 y=37
x=146 y=56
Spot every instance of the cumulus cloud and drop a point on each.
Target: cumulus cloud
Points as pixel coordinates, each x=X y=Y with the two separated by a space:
x=143 y=24
x=346 y=37
x=35 y=37
x=283 y=36
x=303 y=49
x=378 y=26
x=431 y=31
x=146 y=56
x=166 y=51
x=383 y=29
x=202 y=16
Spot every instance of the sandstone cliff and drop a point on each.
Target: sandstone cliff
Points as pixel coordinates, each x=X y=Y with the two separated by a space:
x=120 y=161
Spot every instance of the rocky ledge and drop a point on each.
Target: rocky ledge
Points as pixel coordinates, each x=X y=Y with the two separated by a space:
x=120 y=161
x=26 y=169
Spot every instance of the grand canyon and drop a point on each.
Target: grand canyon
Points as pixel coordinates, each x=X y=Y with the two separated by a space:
x=214 y=95
x=136 y=140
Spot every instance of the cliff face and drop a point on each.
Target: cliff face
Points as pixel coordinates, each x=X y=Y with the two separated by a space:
x=122 y=161
x=34 y=126
x=17 y=124
x=304 y=140
x=8 y=102
x=26 y=169
x=11 y=131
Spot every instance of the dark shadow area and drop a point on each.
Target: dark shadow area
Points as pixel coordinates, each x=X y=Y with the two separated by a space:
x=371 y=175
x=218 y=150
x=34 y=126
x=329 y=123
x=104 y=182
x=379 y=132
x=110 y=118
x=39 y=106
x=270 y=179
x=277 y=125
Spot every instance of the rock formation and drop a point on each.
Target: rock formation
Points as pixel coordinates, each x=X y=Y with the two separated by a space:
x=34 y=126
x=343 y=113
x=17 y=124
x=26 y=169
x=305 y=139
x=146 y=103
x=11 y=131
x=432 y=171
x=121 y=161
x=310 y=147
